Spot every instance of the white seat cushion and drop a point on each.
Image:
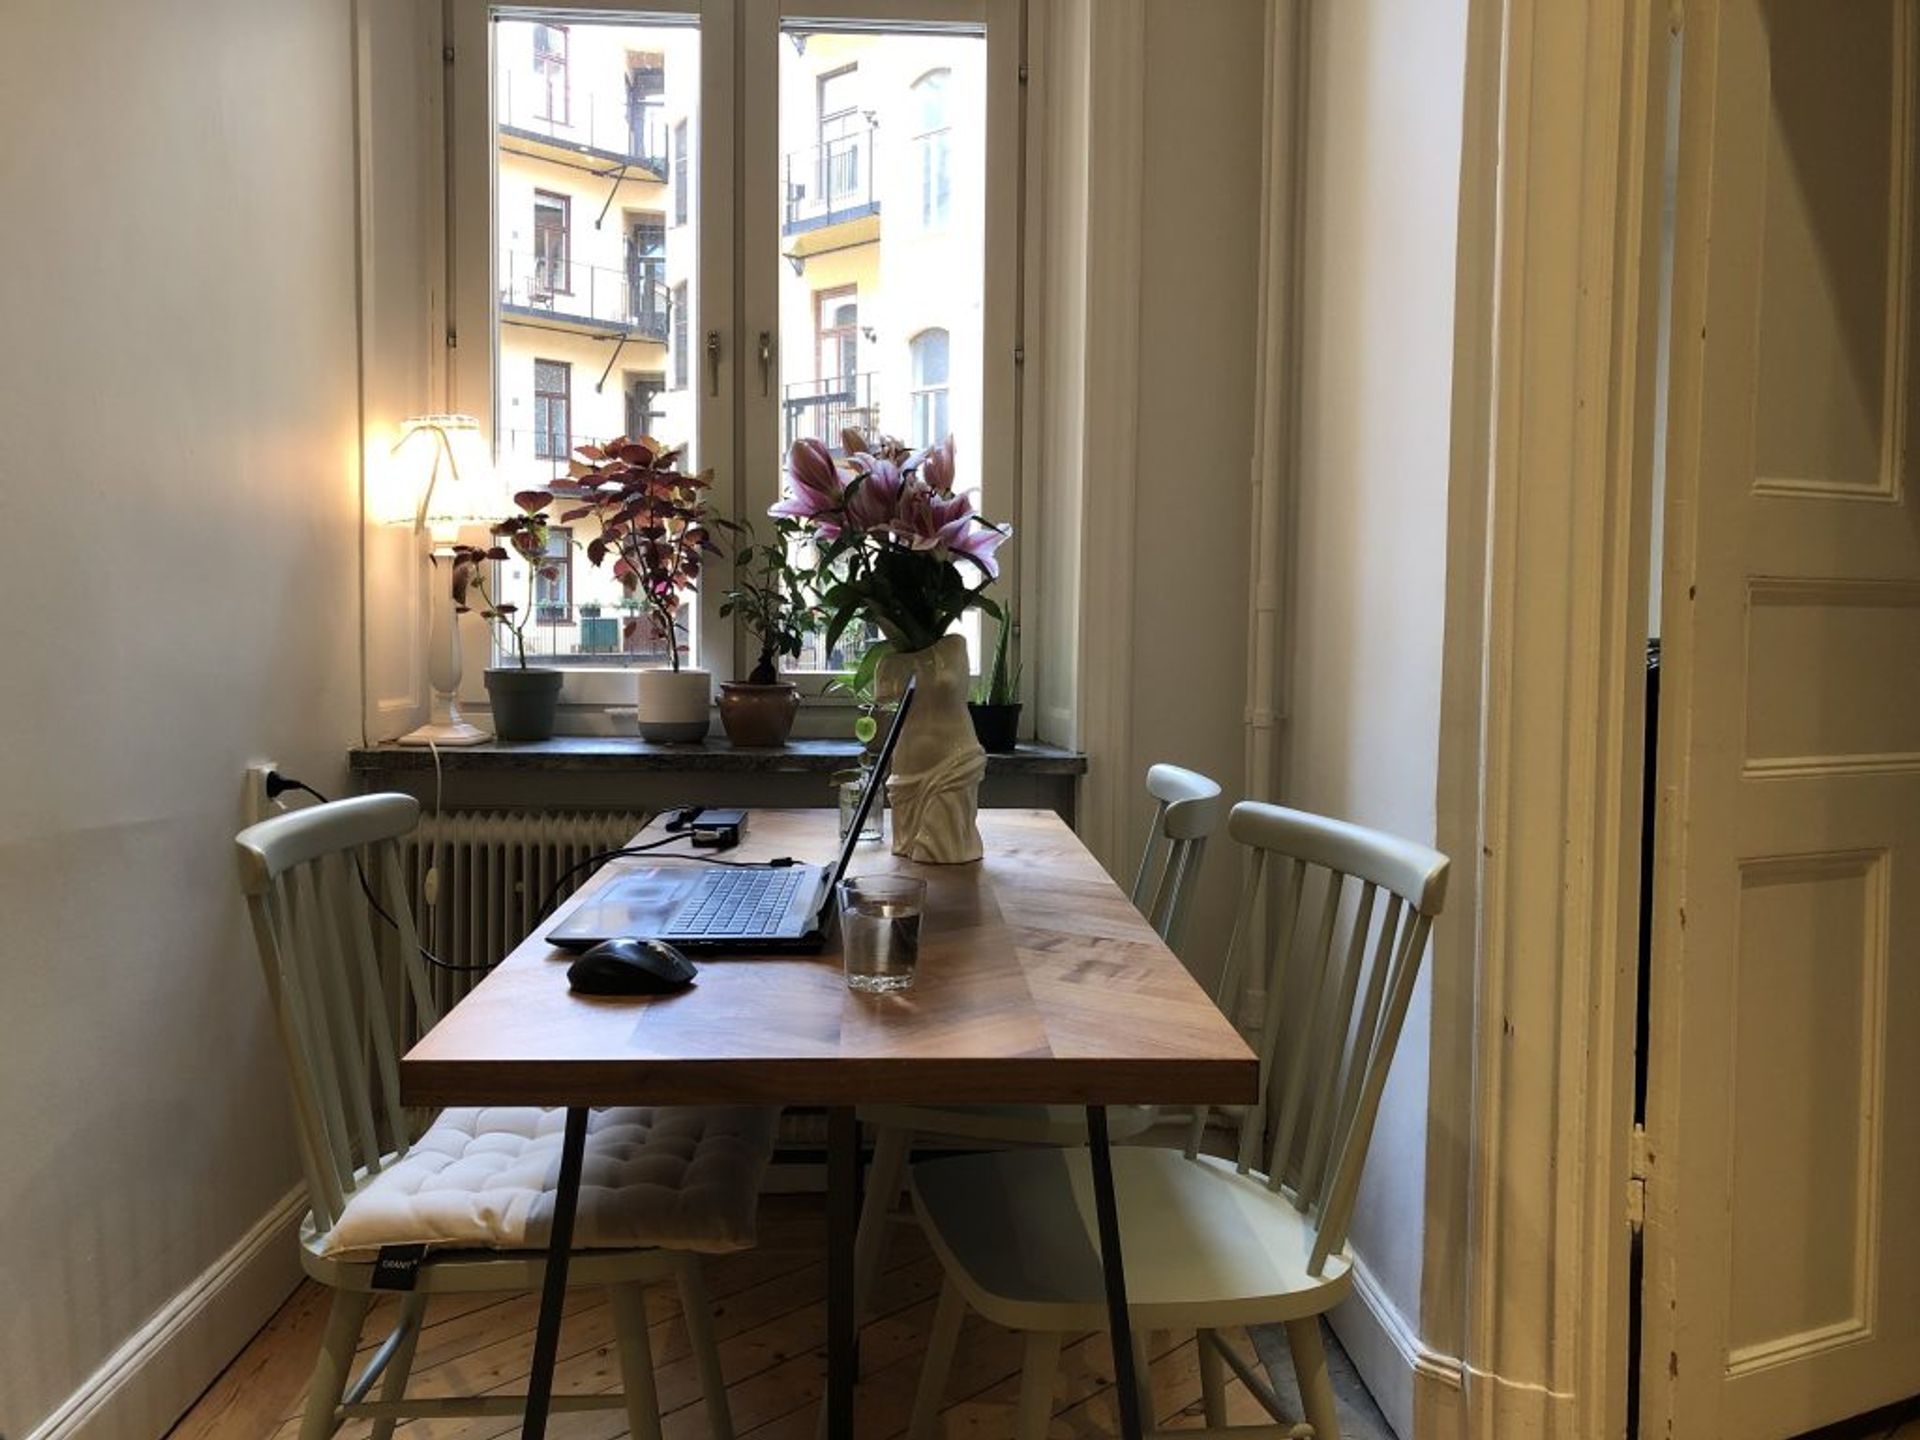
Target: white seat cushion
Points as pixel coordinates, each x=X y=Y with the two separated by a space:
x=669 y=1178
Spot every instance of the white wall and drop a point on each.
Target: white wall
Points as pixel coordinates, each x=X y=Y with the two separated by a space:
x=177 y=393
x=1381 y=209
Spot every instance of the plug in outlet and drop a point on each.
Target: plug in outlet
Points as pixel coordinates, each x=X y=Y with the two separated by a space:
x=259 y=807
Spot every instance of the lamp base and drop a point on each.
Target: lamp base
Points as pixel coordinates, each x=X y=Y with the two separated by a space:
x=457 y=732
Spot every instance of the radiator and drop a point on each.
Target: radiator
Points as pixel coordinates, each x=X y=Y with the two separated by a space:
x=495 y=870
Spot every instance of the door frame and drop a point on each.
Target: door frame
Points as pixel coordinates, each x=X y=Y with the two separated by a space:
x=1550 y=523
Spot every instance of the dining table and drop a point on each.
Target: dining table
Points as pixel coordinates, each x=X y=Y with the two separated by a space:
x=1037 y=983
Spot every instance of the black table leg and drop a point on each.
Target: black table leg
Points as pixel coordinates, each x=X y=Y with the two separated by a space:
x=843 y=1354
x=553 y=1292
x=1118 y=1325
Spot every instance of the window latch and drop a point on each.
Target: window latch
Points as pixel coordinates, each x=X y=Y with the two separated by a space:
x=713 y=362
x=766 y=362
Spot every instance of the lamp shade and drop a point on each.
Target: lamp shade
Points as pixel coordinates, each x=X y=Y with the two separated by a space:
x=446 y=468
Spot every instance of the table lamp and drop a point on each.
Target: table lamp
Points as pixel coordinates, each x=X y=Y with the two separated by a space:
x=448 y=464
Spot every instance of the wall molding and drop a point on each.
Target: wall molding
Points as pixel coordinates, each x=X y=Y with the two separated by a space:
x=1115 y=43
x=143 y=1387
x=1420 y=1390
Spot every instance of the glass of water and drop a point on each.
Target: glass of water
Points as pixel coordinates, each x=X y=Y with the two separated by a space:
x=880 y=930
x=874 y=831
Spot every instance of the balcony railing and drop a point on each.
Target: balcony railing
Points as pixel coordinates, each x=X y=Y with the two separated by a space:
x=530 y=455
x=617 y=126
x=822 y=409
x=638 y=301
x=831 y=181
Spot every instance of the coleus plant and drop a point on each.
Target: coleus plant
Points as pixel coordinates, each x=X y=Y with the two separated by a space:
x=653 y=521
x=528 y=534
x=892 y=537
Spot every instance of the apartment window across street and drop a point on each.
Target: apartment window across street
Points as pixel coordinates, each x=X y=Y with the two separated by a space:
x=550 y=71
x=933 y=149
x=808 y=283
x=930 y=370
x=551 y=219
x=681 y=338
x=553 y=584
x=552 y=409
x=680 y=176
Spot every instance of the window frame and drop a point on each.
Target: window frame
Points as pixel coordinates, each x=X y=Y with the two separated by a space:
x=545 y=72
x=554 y=200
x=929 y=147
x=998 y=475
x=732 y=191
x=543 y=434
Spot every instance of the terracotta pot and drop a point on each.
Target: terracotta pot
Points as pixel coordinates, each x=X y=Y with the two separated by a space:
x=759 y=716
x=934 y=788
x=673 y=705
x=524 y=702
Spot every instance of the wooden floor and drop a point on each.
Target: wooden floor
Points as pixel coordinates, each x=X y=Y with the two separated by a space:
x=772 y=1329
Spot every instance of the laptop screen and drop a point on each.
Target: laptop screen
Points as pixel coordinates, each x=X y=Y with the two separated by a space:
x=876 y=777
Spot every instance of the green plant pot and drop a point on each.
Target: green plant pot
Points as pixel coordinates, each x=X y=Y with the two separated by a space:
x=997 y=727
x=524 y=702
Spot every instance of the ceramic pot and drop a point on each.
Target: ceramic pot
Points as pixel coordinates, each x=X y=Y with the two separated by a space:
x=759 y=715
x=524 y=702
x=934 y=787
x=997 y=726
x=673 y=705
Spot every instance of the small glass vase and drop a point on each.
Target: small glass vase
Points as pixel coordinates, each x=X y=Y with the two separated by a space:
x=875 y=830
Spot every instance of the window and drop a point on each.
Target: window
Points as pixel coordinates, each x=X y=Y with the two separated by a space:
x=551 y=99
x=646 y=279
x=681 y=339
x=646 y=108
x=929 y=362
x=933 y=149
x=680 y=176
x=643 y=403
x=551 y=221
x=553 y=592
x=552 y=409
x=862 y=182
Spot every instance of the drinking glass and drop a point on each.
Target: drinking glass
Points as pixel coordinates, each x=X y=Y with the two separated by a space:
x=874 y=831
x=880 y=930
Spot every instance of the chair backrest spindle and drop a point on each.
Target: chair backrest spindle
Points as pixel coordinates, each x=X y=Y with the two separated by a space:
x=1187 y=814
x=1341 y=975
x=309 y=881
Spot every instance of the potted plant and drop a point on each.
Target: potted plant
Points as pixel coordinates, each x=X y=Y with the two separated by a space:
x=896 y=543
x=655 y=529
x=771 y=597
x=525 y=698
x=995 y=706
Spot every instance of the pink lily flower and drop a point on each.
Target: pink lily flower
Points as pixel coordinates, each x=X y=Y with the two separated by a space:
x=874 y=496
x=815 y=489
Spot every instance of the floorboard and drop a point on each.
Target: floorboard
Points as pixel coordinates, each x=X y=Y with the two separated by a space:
x=770 y=1323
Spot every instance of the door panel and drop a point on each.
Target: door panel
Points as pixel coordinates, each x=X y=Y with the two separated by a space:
x=1783 y=1275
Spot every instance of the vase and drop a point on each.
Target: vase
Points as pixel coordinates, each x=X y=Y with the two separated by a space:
x=524 y=702
x=674 y=705
x=758 y=716
x=934 y=786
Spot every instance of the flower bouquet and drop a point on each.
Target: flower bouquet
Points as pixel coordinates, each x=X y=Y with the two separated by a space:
x=895 y=543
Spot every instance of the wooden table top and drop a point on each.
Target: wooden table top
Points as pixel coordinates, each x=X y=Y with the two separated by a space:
x=1038 y=982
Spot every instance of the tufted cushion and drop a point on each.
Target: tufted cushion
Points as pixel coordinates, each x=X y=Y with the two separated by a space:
x=674 y=1178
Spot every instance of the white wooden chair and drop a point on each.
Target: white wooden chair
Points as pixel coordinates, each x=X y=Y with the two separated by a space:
x=477 y=1186
x=1189 y=810
x=1210 y=1244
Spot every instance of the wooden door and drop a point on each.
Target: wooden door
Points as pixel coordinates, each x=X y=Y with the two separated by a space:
x=1782 y=1283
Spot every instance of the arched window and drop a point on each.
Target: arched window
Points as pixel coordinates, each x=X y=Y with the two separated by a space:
x=928 y=352
x=933 y=147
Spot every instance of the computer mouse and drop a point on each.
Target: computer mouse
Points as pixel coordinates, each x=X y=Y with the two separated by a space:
x=631 y=967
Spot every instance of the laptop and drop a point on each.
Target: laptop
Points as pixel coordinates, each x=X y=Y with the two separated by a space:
x=719 y=908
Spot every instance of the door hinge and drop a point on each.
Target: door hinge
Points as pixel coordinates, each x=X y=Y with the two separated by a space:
x=1637 y=1178
x=1019 y=354
x=1023 y=72
x=453 y=338
x=446 y=55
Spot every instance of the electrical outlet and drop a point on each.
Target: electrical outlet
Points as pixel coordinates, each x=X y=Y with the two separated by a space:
x=259 y=807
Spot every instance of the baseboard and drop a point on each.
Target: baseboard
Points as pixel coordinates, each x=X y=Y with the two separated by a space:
x=152 y=1379
x=1420 y=1391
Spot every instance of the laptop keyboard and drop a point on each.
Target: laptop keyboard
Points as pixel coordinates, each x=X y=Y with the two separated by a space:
x=739 y=902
